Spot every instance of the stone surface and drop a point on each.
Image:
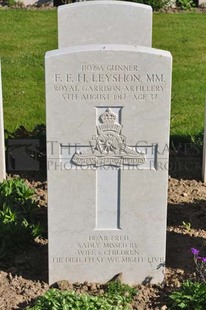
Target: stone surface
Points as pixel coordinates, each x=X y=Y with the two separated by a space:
x=37 y=2
x=2 y=143
x=108 y=112
x=104 y=22
x=201 y=2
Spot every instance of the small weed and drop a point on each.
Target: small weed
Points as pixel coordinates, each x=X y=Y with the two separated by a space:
x=117 y=297
x=191 y=295
x=187 y=225
x=116 y=288
x=18 y=224
x=11 y=3
x=185 y=4
x=200 y=264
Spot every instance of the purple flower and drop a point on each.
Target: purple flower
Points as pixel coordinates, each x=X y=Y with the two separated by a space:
x=195 y=251
x=203 y=259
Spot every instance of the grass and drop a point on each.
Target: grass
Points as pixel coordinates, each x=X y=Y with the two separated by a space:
x=25 y=36
x=184 y=36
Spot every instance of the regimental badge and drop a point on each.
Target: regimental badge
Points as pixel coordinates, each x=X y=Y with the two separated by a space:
x=109 y=148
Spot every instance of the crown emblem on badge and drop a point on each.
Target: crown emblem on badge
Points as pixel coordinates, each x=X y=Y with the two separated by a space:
x=108 y=120
x=108 y=117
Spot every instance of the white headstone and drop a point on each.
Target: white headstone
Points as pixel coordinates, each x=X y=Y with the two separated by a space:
x=104 y=22
x=108 y=110
x=37 y=3
x=2 y=142
x=202 y=3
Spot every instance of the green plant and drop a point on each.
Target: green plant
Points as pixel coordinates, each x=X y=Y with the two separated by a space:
x=55 y=299
x=191 y=295
x=116 y=288
x=155 y=4
x=11 y=3
x=20 y=4
x=185 y=4
x=187 y=225
x=200 y=264
x=18 y=223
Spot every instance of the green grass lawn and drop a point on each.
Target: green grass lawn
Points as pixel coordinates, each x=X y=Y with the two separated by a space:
x=25 y=36
x=184 y=35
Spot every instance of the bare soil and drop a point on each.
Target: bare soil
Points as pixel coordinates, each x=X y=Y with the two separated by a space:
x=23 y=276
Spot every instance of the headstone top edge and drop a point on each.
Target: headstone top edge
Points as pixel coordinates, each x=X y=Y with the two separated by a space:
x=108 y=47
x=104 y=2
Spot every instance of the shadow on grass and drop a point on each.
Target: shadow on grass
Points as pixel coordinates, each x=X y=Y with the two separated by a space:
x=26 y=153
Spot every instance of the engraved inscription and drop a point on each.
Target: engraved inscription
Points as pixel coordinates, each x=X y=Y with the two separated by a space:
x=109 y=82
x=108 y=249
